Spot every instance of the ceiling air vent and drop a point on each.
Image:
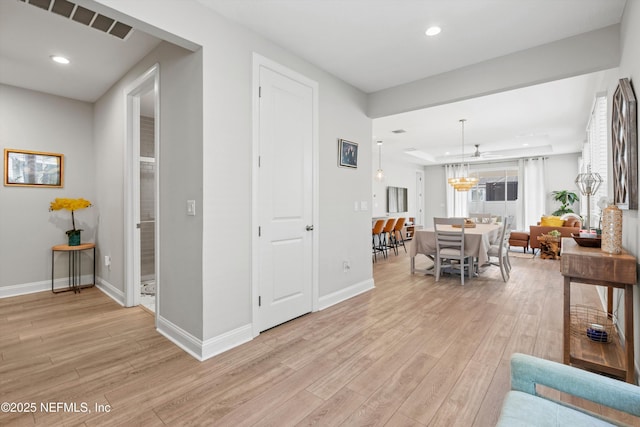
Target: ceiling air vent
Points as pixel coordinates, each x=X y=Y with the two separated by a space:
x=398 y=131
x=84 y=16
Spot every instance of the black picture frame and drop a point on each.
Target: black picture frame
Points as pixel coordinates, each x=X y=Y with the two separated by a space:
x=624 y=139
x=347 y=154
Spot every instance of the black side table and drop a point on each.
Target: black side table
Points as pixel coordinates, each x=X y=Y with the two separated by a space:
x=75 y=266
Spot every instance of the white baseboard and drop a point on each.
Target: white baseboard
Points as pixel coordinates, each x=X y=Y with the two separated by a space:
x=111 y=291
x=227 y=341
x=41 y=286
x=344 y=294
x=25 y=288
x=203 y=350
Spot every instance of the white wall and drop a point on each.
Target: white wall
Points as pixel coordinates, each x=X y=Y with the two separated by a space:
x=630 y=67
x=180 y=165
x=561 y=172
x=41 y=122
x=227 y=150
x=395 y=175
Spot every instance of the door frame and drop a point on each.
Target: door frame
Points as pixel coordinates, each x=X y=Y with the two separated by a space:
x=150 y=79
x=258 y=62
x=419 y=216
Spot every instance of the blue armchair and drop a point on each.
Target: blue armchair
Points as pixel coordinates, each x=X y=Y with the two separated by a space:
x=524 y=407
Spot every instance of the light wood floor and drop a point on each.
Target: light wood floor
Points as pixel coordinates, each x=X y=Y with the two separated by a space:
x=410 y=353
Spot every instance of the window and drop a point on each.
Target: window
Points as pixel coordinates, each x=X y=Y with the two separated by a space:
x=594 y=154
x=497 y=190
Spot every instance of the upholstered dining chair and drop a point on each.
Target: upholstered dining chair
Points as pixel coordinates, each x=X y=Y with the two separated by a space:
x=376 y=239
x=500 y=249
x=450 y=247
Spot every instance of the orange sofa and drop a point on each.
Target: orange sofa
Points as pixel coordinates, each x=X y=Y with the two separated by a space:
x=571 y=225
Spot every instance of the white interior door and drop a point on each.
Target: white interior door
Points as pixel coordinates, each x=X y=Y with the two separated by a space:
x=285 y=199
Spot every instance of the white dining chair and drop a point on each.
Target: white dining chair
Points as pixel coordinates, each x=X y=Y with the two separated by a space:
x=450 y=247
x=500 y=250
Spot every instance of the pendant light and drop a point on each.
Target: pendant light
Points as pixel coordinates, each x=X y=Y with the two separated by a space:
x=462 y=183
x=380 y=173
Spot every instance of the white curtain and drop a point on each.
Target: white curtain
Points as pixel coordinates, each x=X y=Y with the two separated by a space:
x=456 y=200
x=532 y=192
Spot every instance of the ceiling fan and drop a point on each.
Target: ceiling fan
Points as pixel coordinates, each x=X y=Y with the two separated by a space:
x=483 y=154
x=479 y=155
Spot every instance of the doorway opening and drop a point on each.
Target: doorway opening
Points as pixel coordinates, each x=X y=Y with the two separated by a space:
x=147 y=199
x=141 y=204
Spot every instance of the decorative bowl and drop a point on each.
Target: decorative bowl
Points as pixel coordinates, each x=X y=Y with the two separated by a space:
x=597 y=334
x=589 y=241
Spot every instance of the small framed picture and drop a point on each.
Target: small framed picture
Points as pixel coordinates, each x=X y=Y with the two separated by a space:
x=347 y=154
x=33 y=168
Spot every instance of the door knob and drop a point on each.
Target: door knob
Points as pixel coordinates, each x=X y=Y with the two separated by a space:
x=309 y=228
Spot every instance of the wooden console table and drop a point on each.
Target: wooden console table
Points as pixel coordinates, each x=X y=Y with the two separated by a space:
x=594 y=267
x=75 y=266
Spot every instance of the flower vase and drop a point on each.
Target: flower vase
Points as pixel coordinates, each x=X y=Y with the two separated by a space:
x=74 y=237
x=612 y=230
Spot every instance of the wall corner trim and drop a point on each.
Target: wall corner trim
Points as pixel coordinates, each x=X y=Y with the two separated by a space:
x=203 y=350
x=111 y=291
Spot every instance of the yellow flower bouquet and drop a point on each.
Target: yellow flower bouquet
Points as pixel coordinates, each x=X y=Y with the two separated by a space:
x=71 y=205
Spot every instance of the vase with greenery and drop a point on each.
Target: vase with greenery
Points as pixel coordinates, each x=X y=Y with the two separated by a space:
x=71 y=205
x=566 y=199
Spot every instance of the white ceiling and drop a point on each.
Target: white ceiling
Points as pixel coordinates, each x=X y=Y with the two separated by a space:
x=377 y=44
x=546 y=119
x=371 y=44
x=30 y=35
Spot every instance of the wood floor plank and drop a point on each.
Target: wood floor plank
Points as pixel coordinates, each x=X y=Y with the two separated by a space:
x=335 y=410
x=491 y=405
x=411 y=352
x=463 y=402
x=381 y=406
x=292 y=411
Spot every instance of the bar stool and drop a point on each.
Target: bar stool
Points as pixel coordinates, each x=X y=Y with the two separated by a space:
x=376 y=232
x=387 y=231
x=398 y=238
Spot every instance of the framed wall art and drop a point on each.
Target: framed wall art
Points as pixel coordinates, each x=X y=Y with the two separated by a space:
x=347 y=153
x=33 y=168
x=624 y=139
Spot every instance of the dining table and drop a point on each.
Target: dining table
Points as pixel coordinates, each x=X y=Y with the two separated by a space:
x=477 y=241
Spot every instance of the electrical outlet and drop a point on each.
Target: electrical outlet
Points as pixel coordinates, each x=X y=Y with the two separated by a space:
x=346 y=266
x=107 y=260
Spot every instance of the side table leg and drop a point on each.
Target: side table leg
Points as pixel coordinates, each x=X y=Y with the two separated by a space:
x=566 y=324
x=52 y=260
x=628 y=332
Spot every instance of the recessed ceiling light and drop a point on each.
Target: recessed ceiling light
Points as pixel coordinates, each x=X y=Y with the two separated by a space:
x=59 y=59
x=432 y=31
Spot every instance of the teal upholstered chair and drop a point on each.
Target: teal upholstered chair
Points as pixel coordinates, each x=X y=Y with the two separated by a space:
x=524 y=407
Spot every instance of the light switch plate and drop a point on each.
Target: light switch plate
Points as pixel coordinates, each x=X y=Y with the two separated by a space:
x=191 y=207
